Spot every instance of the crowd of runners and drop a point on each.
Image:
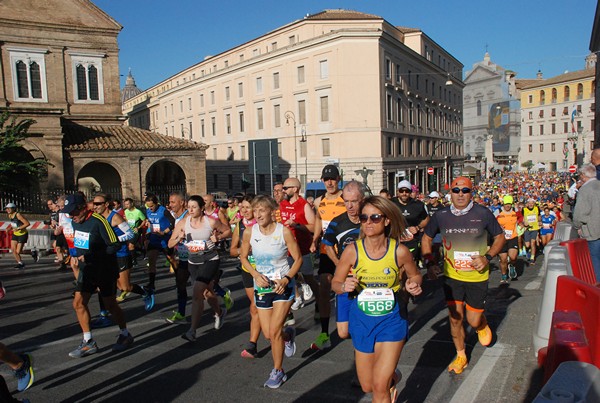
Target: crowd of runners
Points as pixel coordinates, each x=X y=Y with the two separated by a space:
x=372 y=251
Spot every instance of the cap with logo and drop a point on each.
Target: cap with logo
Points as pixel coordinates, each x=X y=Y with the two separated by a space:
x=330 y=172
x=404 y=184
x=71 y=203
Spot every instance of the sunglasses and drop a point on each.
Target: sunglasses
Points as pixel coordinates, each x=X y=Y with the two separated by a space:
x=99 y=203
x=375 y=218
x=403 y=190
x=458 y=190
x=288 y=187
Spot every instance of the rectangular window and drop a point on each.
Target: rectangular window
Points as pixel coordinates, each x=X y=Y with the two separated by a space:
x=300 y=74
x=190 y=128
x=541 y=148
x=277 y=113
x=180 y=106
x=302 y=112
x=259 y=86
x=400 y=144
x=203 y=133
x=241 y=118
x=226 y=93
x=259 y=118
x=388 y=69
x=398 y=76
x=275 y=81
x=566 y=127
x=240 y=90
x=389 y=146
x=230 y=153
x=399 y=114
x=388 y=107
x=202 y=100
x=189 y=104
x=530 y=130
x=553 y=128
x=325 y=146
x=530 y=99
x=243 y=152
x=274 y=46
x=325 y=109
x=541 y=130
x=553 y=112
x=530 y=148
x=542 y=113
x=323 y=69
x=213 y=125
x=553 y=146
x=166 y=110
x=212 y=97
x=410 y=113
x=292 y=39
x=182 y=132
x=228 y=123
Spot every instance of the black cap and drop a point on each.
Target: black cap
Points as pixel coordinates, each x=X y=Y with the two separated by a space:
x=72 y=202
x=330 y=172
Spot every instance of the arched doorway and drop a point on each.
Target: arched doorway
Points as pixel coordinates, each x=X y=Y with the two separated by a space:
x=163 y=178
x=99 y=177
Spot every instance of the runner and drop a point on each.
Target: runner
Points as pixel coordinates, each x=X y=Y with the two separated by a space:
x=548 y=222
x=161 y=223
x=465 y=228
x=341 y=232
x=96 y=245
x=247 y=220
x=200 y=234
x=531 y=219
x=297 y=215
x=416 y=217
x=59 y=244
x=135 y=218
x=19 y=236
x=273 y=280
x=102 y=206
x=507 y=219
x=329 y=206
x=22 y=367
x=378 y=262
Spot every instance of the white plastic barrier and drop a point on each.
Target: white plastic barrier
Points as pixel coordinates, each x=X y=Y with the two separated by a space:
x=572 y=382
x=39 y=239
x=565 y=231
x=556 y=263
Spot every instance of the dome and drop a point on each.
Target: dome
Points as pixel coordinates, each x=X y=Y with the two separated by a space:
x=130 y=90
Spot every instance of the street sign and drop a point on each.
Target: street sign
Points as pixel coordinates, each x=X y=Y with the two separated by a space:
x=400 y=174
x=456 y=172
x=573 y=169
x=430 y=170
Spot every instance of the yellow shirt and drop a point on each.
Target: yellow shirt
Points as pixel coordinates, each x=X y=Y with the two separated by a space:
x=379 y=273
x=532 y=217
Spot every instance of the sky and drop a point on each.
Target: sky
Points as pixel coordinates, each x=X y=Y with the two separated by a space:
x=161 y=38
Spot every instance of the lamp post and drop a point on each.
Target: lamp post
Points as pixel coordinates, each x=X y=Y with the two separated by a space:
x=304 y=140
x=140 y=159
x=290 y=115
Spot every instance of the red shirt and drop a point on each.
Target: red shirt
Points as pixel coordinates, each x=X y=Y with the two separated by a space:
x=295 y=212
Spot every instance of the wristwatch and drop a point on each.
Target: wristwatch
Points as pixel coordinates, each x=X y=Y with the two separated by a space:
x=488 y=257
x=288 y=278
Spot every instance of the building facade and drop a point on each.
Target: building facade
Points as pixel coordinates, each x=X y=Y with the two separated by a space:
x=491 y=118
x=59 y=65
x=393 y=111
x=558 y=118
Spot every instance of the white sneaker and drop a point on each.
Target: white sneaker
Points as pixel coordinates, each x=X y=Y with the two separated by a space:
x=298 y=303
x=219 y=319
x=307 y=292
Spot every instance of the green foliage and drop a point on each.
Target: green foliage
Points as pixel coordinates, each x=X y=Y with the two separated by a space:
x=527 y=164
x=17 y=168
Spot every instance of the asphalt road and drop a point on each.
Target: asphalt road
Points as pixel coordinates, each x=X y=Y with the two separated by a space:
x=36 y=316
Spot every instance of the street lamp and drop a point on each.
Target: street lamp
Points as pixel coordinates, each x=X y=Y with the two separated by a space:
x=140 y=159
x=304 y=140
x=289 y=115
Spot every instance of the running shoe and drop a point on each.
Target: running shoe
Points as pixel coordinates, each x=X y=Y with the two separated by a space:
x=512 y=271
x=458 y=365
x=190 y=335
x=85 y=348
x=485 y=336
x=25 y=373
x=290 y=344
x=20 y=266
x=123 y=342
x=289 y=320
x=298 y=303
x=100 y=322
x=321 y=343
x=227 y=299
x=176 y=318
x=2 y=291
x=250 y=351
x=393 y=390
x=504 y=279
x=121 y=297
x=35 y=255
x=149 y=299
x=307 y=292
x=276 y=379
x=219 y=318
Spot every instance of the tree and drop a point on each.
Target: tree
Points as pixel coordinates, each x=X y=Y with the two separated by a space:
x=527 y=165
x=18 y=168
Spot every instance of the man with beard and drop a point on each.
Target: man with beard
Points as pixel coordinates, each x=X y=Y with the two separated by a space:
x=416 y=217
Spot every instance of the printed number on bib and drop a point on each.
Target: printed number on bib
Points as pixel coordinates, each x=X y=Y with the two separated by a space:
x=155 y=227
x=82 y=240
x=376 y=301
x=196 y=246
x=531 y=219
x=508 y=233
x=271 y=276
x=463 y=261
x=546 y=226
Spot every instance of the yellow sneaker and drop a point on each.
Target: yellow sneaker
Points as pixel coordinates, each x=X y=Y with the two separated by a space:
x=485 y=336
x=458 y=365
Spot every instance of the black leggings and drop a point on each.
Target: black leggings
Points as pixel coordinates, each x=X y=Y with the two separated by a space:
x=5 y=395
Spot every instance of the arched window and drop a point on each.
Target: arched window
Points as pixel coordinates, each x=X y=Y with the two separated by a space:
x=542 y=97
x=554 y=95
x=567 y=93
x=29 y=80
x=22 y=86
x=579 y=91
x=87 y=78
x=478 y=107
x=93 y=82
x=81 y=82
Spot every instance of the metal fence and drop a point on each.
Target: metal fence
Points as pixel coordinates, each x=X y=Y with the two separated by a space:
x=163 y=192
x=35 y=202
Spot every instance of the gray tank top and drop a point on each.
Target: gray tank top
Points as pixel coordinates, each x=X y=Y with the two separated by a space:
x=197 y=241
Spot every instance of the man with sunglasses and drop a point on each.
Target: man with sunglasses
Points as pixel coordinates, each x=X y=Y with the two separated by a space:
x=465 y=228
x=415 y=214
x=95 y=245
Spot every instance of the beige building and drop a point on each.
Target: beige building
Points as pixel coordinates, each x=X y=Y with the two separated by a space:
x=338 y=86
x=557 y=128
x=59 y=64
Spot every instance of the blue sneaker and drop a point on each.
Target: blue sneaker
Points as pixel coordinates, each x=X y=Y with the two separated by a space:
x=85 y=348
x=25 y=373
x=276 y=379
x=100 y=322
x=149 y=300
x=512 y=271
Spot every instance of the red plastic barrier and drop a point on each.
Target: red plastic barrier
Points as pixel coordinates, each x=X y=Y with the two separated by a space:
x=567 y=342
x=5 y=237
x=580 y=259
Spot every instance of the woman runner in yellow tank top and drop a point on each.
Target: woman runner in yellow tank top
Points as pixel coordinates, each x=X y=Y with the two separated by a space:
x=379 y=262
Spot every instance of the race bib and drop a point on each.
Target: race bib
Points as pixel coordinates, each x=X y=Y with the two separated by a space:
x=508 y=233
x=463 y=260
x=196 y=246
x=271 y=276
x=82 y=240
x=155 y=227
x=546 y=226
x=131 y=223
x=376 y=301
x=68 y=232
x=531 y=218
x=13 y=224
